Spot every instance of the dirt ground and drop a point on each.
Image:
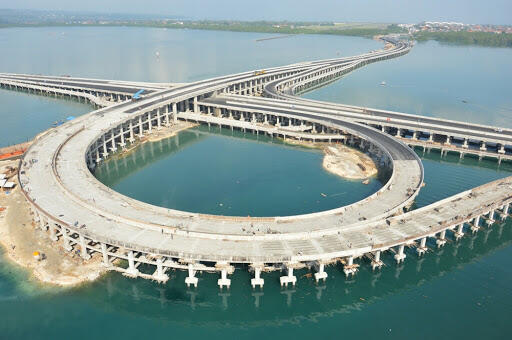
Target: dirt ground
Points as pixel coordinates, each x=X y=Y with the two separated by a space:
x=348 y=162
x=21 y=238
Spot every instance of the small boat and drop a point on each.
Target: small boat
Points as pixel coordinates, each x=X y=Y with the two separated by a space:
x=323 y=195
x=366 y=181
x=382 y=83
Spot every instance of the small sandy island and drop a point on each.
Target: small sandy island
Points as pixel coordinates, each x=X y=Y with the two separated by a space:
x=348 y=162
x=20 y=238
x=171 y=131
x=344 y=161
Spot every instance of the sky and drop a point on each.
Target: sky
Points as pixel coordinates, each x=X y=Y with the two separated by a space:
x=400 y=11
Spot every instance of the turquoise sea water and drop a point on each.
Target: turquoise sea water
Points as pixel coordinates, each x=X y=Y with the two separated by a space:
x=223 y=172
x=460 y=291
x=463 y=83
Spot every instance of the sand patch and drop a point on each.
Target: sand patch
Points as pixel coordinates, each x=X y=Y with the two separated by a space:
x=348 y=162
x=21 y=237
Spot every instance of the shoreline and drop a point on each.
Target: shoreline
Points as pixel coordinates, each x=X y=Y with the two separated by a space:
x=20 y=238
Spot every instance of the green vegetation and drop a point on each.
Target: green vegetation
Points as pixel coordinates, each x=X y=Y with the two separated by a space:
x=351 y=29
x=368 y=30
x=468 y=38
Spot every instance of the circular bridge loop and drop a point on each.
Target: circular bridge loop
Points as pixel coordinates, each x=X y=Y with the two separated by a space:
x=55 y=176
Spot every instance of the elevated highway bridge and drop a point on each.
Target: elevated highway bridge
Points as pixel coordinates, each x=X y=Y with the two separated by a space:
x=82 y=214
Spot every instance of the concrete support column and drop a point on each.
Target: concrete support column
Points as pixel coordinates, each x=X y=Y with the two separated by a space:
x=376 y=262
x=448 y=138
x=289 y=278
x=465 y=144
x=257 y=280
x=174 y=112
x=132 y=269
x=476 y=225
x=491 y=220
x=501 y=149
x=459 y=233
x=400 y=256
x=441 y=241
x=158 y=118
x=83 y=248
x=224 y=281
x=321 y=274
x=431 y=137
x=123 y=144
x=141 y=132
x=104 y=253
x=159 y=274
x=398 y=132
x=483 y=147
x=105 y=151
x=415 y=135
x=132 y=139
x=150 y=122
x=191 y=279
x=196 y=107
x=350 y=269
x=167 y=122
x=113 y=148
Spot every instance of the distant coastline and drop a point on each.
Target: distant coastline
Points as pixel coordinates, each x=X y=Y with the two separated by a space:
x=487 y=39
x=365 y=30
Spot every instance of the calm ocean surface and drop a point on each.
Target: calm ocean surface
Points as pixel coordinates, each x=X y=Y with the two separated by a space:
x=461 y=291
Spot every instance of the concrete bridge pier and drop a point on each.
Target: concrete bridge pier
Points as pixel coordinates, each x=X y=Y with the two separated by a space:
x=490 y=220
x=159 y=273
x=174 y=113
x=83 y=248
x=504 y=211
x=459 y=233
x=320 y=274
x=257 y=280
x=422 y=249
x=441 y=241
x=104 y=253
x=400 y=256
x=350 y=268
x=376 y=262
x=289 y=277
x=191 y=279
x=105 y=150
x=224 y=281
x=132 y=268
x=476 y=225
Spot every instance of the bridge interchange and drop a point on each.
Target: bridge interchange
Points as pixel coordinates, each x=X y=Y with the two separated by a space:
x=81 y=213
